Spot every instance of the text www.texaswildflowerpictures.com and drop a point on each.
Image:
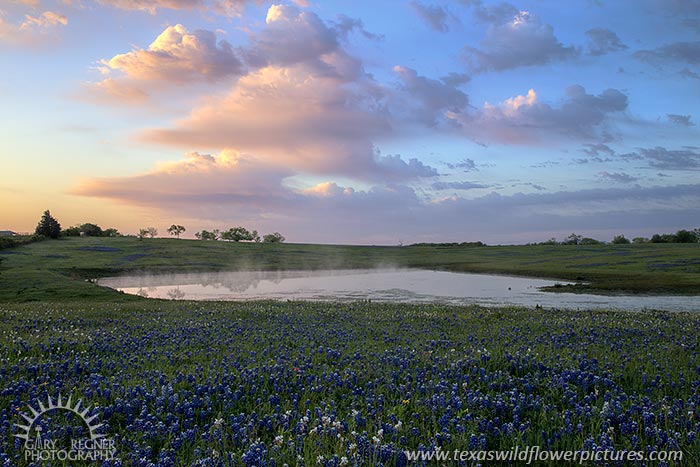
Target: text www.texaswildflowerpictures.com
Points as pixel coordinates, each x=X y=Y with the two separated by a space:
x=530 y=454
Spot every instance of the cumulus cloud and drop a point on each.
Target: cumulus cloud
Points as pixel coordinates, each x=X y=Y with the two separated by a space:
x=429 y=99
x=275 y=107
x=602 y=41
x=523 y=41
x=308 y=41
x=181 y=56
x=434 y=16
x=305 y=37
x=313 y=123
x=524 y=119
x=178 y=56
x=310 y=107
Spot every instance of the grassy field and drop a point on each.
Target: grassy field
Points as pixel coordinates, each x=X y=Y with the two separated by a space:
x=57 y=269
x=322 y=384
x=271 y=384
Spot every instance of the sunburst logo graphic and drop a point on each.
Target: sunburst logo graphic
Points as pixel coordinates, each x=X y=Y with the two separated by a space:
x=59 y=405
x=97 y=447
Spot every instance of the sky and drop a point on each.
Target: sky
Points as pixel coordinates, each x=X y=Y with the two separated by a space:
x=363 y=122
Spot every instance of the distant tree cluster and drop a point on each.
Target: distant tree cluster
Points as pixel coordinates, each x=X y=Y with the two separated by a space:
x=89 y=230
x=465 y=244
x=147 y=232
x=239 y=234
x=274 y=237
x=682 y=236
x=49 y=227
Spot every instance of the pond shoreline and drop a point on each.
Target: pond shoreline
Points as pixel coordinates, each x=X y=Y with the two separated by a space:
x=395 y=285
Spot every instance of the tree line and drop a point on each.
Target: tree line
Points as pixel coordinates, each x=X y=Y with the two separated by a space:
x=239 y=234
x=49 y=227
x=681 y=236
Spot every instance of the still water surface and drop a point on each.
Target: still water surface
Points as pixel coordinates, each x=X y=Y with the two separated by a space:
x=390 y=285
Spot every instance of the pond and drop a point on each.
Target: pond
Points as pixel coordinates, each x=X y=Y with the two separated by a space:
x=385 y=285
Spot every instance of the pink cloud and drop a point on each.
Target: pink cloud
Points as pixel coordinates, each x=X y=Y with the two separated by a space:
x=294 y=118
x=115 y=92
x=32 y=30
x=234 y=187
x=178 y=56
x=224 y=7
x=230 y=179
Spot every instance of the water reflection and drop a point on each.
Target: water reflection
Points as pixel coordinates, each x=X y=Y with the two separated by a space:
x=402 y=285
x=176 y=294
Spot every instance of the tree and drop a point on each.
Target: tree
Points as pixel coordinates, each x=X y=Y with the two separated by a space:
x=656 y=238
x=142 y=234
x=686 y=236
x=48 y=226
x=176 y=230
x=91 y=230
x=111 y=232
x=237 y=234
x=152 y=232
x=620 y=240
x=572 y=239
x=206 y=235
x=73 y=231
x=589 y=241
x=273 y=238
x=640 y=240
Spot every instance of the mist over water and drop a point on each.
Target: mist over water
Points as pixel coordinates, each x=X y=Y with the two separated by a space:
x=384 y=285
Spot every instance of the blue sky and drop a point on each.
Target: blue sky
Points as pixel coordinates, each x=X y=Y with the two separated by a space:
x=353 y=122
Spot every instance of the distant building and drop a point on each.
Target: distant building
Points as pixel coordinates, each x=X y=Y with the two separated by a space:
x=7 y=233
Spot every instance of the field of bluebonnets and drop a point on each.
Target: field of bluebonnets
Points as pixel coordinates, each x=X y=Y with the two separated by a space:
x=309 y=384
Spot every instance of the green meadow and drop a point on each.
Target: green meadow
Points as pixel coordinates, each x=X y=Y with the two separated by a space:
x=269 y=384
x=59 y=269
